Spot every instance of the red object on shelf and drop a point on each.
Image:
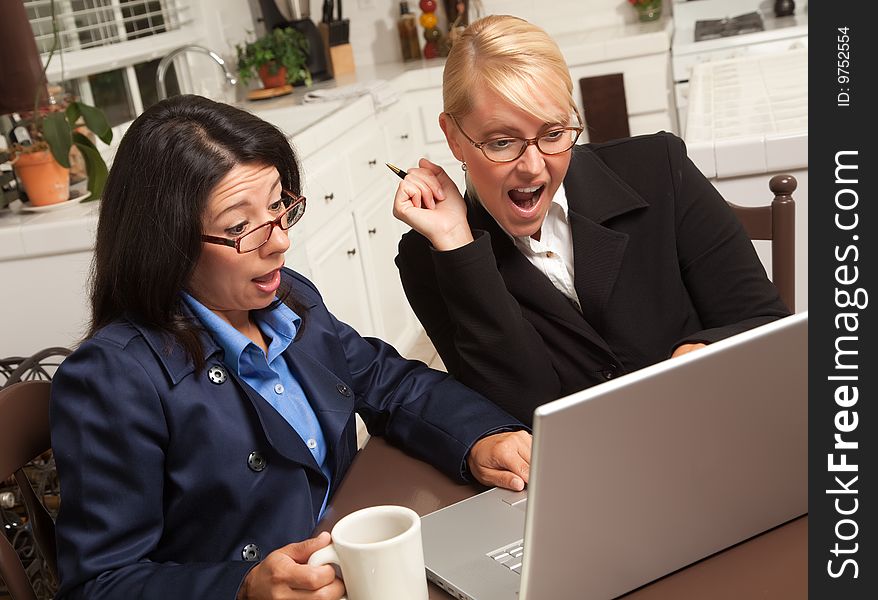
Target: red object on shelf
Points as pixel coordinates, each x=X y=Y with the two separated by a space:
x=428 y=5
x=430 y=50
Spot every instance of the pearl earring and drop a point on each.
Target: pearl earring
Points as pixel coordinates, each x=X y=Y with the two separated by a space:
x=463 y=166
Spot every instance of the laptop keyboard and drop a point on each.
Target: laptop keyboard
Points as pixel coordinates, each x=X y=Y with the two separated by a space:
x=510 y=556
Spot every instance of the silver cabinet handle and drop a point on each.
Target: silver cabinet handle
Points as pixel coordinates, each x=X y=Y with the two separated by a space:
x=352 y=251
x=373 y=162
x=373 y=231
x=329 y=197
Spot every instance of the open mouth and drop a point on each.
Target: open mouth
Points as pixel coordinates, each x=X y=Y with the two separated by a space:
x=526 y=198
x=267 y=278
x=269 y=282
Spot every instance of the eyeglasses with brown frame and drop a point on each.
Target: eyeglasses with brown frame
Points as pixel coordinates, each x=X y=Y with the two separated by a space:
x=258 y=237
x=507 y=149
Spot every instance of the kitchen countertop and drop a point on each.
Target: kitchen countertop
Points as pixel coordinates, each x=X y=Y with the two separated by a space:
x=64 y=229
x=309 y=126
x=749 y=115
x=616 y=42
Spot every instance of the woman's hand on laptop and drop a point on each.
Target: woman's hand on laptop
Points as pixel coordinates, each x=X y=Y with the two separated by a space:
x=502 y=459
x=686 y=348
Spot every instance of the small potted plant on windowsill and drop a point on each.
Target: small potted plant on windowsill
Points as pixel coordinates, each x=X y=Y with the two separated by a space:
x=278 y=58
x=43 y=165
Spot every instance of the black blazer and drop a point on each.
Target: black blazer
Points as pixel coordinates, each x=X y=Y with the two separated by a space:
x=659 y=259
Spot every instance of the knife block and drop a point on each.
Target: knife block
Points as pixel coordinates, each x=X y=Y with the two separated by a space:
x=339 y=57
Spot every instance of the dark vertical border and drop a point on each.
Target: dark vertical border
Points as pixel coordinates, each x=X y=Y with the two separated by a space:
x=843 y=227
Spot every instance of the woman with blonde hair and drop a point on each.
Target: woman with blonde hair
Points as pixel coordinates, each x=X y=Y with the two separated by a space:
x=563 y=265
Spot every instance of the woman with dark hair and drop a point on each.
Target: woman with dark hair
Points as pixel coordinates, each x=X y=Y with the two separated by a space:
x=203 y=425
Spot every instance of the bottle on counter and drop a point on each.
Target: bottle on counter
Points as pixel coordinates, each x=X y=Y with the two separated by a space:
x=408 y=33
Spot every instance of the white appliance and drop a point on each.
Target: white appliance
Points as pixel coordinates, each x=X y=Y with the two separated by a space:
x=779 y=34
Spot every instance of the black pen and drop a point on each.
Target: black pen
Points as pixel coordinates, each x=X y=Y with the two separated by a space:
x=399 y=172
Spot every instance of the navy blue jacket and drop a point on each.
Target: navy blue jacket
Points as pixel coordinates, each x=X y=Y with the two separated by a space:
x=173 y=480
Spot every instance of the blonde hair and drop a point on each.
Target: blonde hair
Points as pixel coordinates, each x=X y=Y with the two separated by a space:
x=511 y=57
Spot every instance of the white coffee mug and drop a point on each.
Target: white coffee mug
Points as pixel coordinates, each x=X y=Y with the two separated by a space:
x=379 y=552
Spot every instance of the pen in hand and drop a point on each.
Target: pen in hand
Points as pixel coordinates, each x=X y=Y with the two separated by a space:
x=399 y=172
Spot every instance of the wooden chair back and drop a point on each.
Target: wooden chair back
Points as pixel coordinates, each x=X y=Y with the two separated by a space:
x=605 y=109
x=776 y=222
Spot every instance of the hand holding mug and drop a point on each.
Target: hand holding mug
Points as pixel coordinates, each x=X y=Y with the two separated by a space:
x=379 y=552
x=285 y=574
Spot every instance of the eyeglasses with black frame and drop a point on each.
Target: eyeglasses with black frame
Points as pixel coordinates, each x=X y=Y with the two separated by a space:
x=507 y=149
x=294 y=208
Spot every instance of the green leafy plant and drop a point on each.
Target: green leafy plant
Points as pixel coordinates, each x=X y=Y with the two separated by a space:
x=280 y=48
x=58 y=130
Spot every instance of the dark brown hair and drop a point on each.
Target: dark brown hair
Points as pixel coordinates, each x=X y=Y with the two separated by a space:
x=149 y=228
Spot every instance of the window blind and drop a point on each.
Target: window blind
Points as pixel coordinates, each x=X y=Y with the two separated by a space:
x=85 y=24
x=96 y=36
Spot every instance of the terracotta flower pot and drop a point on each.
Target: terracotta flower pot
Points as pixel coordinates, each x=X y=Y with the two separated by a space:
x=272 y=81
x=44 y=180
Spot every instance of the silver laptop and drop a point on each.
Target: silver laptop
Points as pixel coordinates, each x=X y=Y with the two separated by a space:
x=638 y=477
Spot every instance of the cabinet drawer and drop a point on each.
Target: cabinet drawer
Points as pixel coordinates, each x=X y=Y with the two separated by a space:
x=378 y=234
x=429 y=105
x=337 y=271
x=326 y=187
x=400 y=136
x=366 y=159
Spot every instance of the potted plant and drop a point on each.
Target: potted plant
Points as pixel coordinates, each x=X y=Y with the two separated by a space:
x=43 y=165
x=278 y=58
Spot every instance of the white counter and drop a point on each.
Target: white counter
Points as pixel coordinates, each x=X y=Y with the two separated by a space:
x=748 y=121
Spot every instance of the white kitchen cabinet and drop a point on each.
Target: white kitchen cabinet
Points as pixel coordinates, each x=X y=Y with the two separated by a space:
x=45 y=301
x=426 y=104
x=403 y=143
x=337 y=271
x=349 y=234
x=378 y=233
x=326 y=188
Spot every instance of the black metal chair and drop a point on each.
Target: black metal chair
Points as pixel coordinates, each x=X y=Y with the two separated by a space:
x=24 y=445
x=40 y=365
x=29 y=488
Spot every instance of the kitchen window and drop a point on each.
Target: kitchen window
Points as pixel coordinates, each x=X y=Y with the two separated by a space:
x=110 y=49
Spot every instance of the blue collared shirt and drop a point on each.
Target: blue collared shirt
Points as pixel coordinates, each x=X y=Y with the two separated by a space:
x=269 y=374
